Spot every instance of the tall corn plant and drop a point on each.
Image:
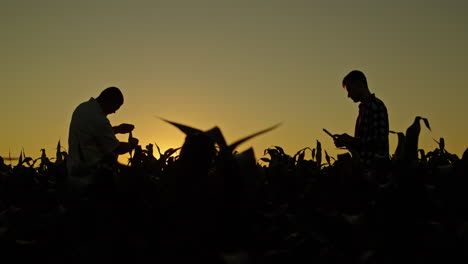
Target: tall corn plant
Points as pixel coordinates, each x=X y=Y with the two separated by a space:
x=440 y=156
x=407 y=148
x=208 y=167
x=225 y=160
x=216 y=135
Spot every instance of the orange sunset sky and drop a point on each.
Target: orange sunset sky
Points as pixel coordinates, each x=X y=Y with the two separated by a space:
x=239 y=65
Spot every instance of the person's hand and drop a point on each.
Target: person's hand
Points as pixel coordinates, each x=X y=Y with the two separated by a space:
x=123 y=128
x=343 y=140
x=133 y=142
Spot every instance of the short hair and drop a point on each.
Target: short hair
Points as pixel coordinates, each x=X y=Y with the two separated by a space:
x=354 y=76
x=112 y=94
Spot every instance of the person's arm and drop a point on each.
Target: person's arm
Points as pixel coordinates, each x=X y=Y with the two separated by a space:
x=123 y=128
x=347 y=141
x=376 y=137
x=106 y=139
x=125 y=147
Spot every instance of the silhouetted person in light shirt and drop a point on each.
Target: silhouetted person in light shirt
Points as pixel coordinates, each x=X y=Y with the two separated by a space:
x=91 y=141
x=370 y=141
x=92 y=167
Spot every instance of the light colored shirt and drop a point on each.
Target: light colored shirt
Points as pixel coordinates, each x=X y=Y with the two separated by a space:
x=90 y=139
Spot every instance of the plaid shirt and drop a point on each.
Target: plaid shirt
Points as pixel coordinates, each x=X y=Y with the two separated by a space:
x=371 y=131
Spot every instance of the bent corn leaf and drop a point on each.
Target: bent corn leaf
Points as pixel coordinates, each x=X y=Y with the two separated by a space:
x=169 y=152
x=159 y=150
x=189 y=131
x=301 y=152
x=240 y=141
x=301 y=156
x=280 y=149
x=426 y=122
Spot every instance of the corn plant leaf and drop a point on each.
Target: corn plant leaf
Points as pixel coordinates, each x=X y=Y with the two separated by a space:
x=240 y=141
x=442 y=145
x=43 y=155
x=423 y=155
x=400 y=149
x=265 y=159
x=452 y=157
x=217 y=136
x=159 y=150
x=319 y=153
x=34 y=162
x=280 y=149
x=301 y=156
x=246 y=158
x=58 y=153
x=412 y=138
x=275 y=156
x=426 y=122
x=149 y=151
x=313 y=154
x=130 y=138
x=327 y=157
x=20 y=160
x=27 y=160
x=189 y=131
x=170 y=152
x=301 y=152
x=272 y=152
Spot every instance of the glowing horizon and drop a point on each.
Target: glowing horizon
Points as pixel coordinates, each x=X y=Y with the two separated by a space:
x=240 y=66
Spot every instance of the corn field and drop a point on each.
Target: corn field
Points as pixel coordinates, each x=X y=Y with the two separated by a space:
x=208 y=203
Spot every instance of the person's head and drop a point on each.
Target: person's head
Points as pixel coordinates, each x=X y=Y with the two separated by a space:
x=355 y=83
x=110 y=100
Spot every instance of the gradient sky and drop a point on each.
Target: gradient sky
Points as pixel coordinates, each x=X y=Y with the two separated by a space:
x=240 y=65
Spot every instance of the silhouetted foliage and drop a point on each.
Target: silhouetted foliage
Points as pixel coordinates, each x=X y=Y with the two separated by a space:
x=205 y=202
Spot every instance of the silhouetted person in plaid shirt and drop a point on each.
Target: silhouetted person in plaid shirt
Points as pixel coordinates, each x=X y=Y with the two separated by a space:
x=370 y=139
